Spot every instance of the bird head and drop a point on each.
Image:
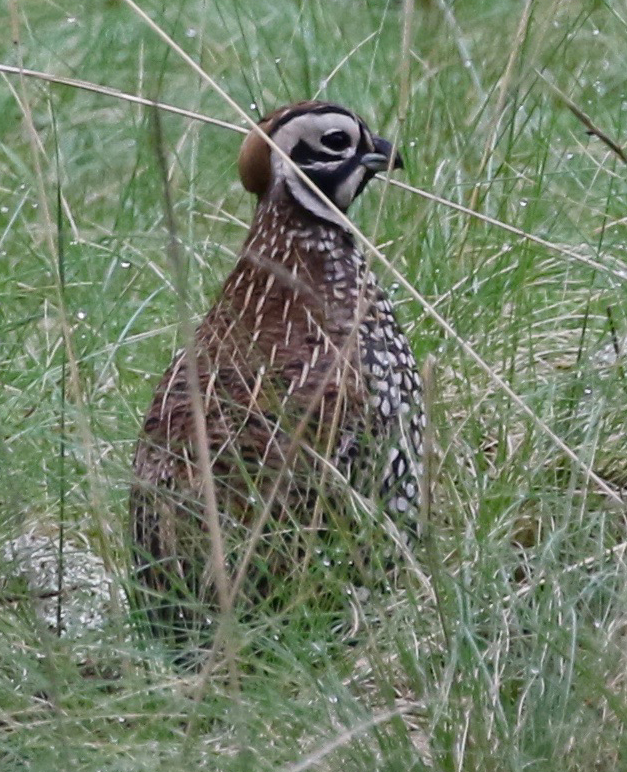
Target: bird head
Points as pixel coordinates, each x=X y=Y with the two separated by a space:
x=331 y=145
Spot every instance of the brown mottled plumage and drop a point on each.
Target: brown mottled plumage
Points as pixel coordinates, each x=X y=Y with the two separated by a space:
x=301 y=330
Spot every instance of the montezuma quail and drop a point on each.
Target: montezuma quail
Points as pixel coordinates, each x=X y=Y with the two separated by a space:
x=306 y=379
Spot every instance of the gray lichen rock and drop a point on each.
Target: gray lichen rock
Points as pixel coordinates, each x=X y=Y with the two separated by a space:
x=29 y=581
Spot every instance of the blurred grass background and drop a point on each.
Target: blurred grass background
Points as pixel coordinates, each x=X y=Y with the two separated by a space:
x=510 y=655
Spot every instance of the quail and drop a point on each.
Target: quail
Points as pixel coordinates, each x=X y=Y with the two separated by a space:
x=308 y=384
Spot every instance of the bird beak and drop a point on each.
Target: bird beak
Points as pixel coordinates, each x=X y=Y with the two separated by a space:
x=381 y=158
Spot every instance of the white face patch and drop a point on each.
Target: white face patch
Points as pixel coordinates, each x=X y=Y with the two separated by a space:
x=311 y=128
x=332 y=136
x=345 y=193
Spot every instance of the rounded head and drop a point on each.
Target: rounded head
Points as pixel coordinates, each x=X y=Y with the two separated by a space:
x=330 y=144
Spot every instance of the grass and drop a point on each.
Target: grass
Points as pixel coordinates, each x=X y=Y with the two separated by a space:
x=509 y=655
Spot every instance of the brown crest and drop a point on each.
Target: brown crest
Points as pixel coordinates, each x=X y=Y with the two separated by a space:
x=254 y=160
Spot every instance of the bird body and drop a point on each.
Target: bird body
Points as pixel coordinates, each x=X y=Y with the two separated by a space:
x=302 y=368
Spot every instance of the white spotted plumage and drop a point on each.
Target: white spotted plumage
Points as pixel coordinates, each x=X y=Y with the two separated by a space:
x=392 y=379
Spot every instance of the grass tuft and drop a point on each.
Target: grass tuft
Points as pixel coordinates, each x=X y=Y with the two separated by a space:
x=505 y=649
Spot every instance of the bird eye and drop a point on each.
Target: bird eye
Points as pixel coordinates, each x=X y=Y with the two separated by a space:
x=336 y=139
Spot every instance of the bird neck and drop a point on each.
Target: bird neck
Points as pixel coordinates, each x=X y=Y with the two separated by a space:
x=281 y=225
x=293 y=259
x=287 y=188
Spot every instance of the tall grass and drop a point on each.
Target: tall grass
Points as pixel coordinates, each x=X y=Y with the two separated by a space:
x=507 y=651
